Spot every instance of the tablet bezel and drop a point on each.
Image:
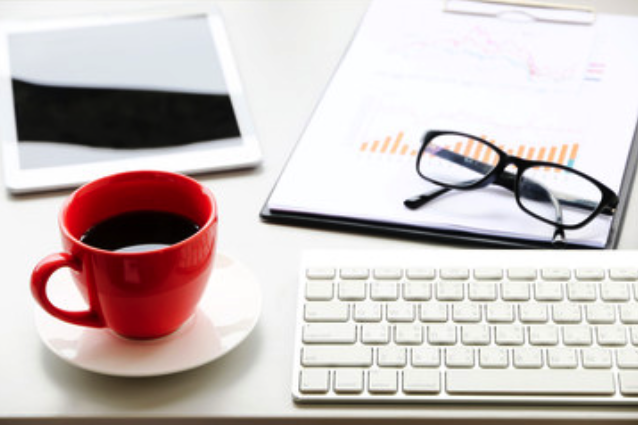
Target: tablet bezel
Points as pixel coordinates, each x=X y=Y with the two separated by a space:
x=226 y=156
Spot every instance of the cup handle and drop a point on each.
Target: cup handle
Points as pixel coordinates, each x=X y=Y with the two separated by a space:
x=39 y=279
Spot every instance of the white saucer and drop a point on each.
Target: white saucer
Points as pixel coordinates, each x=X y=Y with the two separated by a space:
x=226 y=315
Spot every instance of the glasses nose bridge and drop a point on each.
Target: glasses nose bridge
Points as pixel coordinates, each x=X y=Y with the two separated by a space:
x=515 y=161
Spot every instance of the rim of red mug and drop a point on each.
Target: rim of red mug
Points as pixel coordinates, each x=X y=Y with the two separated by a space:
x=212 y=219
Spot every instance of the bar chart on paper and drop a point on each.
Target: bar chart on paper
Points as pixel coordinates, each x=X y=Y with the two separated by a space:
x=398 y=146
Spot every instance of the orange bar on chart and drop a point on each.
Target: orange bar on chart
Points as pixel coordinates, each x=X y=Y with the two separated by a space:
x=530 y=153
x=541 y=154
x=364 y=146
x=386 y=143
x=375 y=145
x=552 y=154
x=562 y=155
x=404 y=149
x=468 y=147
x=457 y=147
x=486 y=156
x=572 y=155
x=477 y=151
x=520 y=151
x=397 y=142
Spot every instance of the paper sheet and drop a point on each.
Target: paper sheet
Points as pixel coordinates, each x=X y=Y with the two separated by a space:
x=556 y=92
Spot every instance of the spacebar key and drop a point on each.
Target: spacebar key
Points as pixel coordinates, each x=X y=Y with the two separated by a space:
x=532 y=382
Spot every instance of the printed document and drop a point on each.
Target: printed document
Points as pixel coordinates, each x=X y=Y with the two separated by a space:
x=557 y=92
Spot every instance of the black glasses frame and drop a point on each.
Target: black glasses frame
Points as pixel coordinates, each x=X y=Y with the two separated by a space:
x=499 y=176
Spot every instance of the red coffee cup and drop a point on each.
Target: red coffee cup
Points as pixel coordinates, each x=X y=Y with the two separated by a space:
x=136 y=294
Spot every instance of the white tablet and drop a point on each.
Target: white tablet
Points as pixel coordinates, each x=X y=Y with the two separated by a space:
x=87 y=97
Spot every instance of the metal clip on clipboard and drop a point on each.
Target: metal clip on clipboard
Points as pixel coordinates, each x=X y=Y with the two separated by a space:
x=526 y=10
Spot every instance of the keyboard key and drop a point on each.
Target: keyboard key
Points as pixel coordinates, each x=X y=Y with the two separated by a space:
x=556 y=273
x=488 y=273
x=455 y=273
x=392 y=356
x=522 y=273
x=375 y=334
x=408 y=333
x=543 y=335
x=314 y=381
x=527 y=358
x=320 y=273
x=348 y=380
x=426 y=356
x=391 y=273
x=624 y=273
x=475 y=334
x=420 y=381
x=466 y=312
x=596 y=358
x=600 y=313
x=510 y=335
x=449 y=291
x=383 y=381
x=525 y=382
x=442 y=334
x=400 y=312
x=384 y=291
x=628 y=382
x=577 y=335
x=581 y=291
x=590 y=273
x=354 y=273
x=352 y=290
x=331 y=355
x=433 y=312
x=417 y=291
x=562 y=358
x=367 y=312
x=611 y=335
x=566 y=313
x=420 y=273
x=515 y=291
x=548 y=291
x=319 y=290
x=329 y=333
x=482 y=291
x=533 y=313
x=459 y=357
x=629 y=313
x=500 y=313
x=493 y=357
x=627 y=358
x=329 y=311
x=614 y=291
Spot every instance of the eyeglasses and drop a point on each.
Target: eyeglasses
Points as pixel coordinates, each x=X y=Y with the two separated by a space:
x=553 y=193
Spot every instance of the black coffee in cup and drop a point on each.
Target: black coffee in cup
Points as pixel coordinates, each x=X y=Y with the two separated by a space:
x=140 y=231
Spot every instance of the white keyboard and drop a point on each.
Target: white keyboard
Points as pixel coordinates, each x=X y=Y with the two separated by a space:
x=526 y=326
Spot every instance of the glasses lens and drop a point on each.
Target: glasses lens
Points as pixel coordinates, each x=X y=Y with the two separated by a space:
x=558 y=195
x=456 y=161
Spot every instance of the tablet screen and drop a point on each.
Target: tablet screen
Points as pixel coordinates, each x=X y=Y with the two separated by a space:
x=92 y=94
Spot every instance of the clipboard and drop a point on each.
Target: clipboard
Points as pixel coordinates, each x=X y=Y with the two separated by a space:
x=305 y=212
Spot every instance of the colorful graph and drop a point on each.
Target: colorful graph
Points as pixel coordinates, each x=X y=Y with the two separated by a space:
x=563 y=154
x=395 y=145
x=390 y=145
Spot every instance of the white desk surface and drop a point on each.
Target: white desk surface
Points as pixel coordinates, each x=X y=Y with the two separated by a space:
x=287 y=50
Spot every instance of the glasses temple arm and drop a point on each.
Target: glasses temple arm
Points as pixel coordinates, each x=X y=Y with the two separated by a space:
x=420 y=200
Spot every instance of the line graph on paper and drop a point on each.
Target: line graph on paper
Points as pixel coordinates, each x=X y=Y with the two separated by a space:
x=504 y=54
